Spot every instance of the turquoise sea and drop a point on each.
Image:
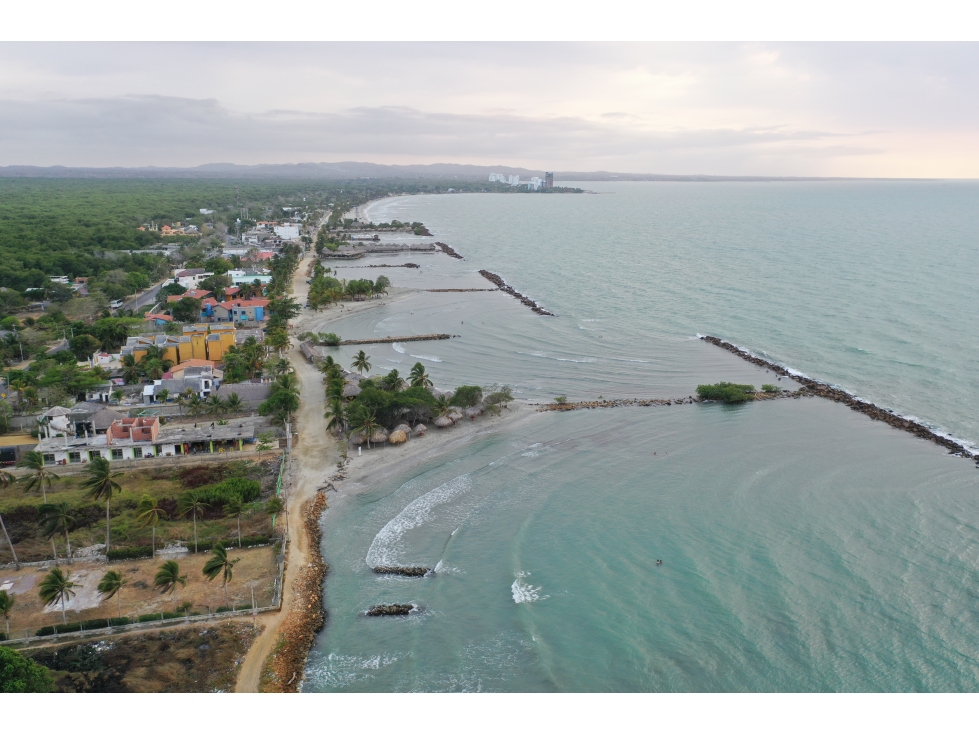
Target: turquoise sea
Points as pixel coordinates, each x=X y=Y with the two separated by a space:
x=804 y=546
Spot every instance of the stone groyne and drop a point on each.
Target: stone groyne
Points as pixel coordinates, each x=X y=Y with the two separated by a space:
x=823 y=390
x=448 y=250
x=402 y=570
x=501 y=284
x=390 y=610
x=285 y=666
x=649 y=402
x=405 y=265
x=392 y=339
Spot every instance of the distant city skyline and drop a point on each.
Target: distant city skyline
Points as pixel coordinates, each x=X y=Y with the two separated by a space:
x=758 y=109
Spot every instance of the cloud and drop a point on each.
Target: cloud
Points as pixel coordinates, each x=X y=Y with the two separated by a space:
x=156 y=130
x=743 y=109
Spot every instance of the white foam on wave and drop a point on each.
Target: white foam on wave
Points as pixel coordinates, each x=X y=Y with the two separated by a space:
x=398 y=347
x=523 y=592
x=442 y=570
x=426 y=357
x=387 y=544
x=557 y=359
x=623 y=359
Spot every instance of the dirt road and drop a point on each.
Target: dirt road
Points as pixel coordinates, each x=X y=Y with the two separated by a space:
x=314 y=454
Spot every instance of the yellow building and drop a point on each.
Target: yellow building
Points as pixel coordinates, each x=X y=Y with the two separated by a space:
x=198 y=341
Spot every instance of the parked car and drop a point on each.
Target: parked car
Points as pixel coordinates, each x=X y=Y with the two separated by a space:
x=115 y=304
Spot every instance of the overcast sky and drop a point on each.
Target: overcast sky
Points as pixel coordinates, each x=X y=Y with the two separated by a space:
x=727 y=109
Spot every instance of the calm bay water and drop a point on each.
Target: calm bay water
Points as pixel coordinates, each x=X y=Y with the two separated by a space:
x=805 y=547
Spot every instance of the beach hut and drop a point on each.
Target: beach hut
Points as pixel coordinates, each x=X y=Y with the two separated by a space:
x=351 y=390
x=357 y=439
x=471 y=413
x=421 y=429
x=379 y=436
x=398 y=437
x=443 y=421
x=403 y=427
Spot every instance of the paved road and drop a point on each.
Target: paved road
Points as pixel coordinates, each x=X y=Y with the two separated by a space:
x=145 y=298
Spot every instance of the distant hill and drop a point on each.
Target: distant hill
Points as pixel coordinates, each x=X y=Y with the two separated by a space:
x=355 y=170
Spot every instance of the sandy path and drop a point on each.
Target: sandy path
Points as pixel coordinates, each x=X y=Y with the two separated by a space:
x=313 y=454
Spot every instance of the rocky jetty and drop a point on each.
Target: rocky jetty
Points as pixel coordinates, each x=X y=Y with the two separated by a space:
x=448 y=250
x=284 y=669
x=402 y=570
x=528 y=302
x=390 y=610
x=392 y=339
x=823 y=390
x=617 y=403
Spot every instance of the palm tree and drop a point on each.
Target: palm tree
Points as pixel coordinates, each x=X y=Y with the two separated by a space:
x=111 y=586
x=327 y=364
x=233 y=403
x=168 y=578
x=392 y=381
x=163 y=395
x=6 y=604
x=57 y=587
x=101 y=484
x=57 y=519
x=130 y=369
x=336 y=415
x=117 y=395
x=219 y=563
x=235 y=507
x=361 y=362
x=366 y=422
x=149 y=513
x=5 y=479
x=180 y=400
x=215 y=405
x=190 y=504
x=441 y=406
x=40 y=476
x=196 y=405
x=418 y=378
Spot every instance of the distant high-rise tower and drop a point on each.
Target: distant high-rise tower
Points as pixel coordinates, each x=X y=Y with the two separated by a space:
x=548 y=180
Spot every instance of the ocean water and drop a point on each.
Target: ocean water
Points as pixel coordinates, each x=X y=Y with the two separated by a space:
x=804 y=547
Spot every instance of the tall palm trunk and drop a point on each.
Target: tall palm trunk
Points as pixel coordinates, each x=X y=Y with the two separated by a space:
x=154 y=541
x=64 y=617
x=54 y=551
x=7 y=536
x=227 y=600
x=119 y=601
x=107 y=527
x=195 y=532
x=68 y=544
x=175 y=597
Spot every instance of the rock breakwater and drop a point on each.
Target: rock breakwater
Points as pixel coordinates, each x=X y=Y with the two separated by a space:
x=448 y=250
x=875 y=412
x=528 y=302
x=390 y=610
x=285 y=666
x=402 y=570
x=392 y=339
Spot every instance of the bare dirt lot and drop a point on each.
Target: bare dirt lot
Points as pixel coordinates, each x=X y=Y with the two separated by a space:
x=256 y=570
x=183 y=660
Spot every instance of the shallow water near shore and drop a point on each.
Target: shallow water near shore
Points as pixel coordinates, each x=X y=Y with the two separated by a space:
x=804 y=547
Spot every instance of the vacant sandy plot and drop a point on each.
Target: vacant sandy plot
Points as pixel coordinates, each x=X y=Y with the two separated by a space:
x=254 y=571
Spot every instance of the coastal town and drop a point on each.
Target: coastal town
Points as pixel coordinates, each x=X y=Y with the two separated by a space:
x=196 y=427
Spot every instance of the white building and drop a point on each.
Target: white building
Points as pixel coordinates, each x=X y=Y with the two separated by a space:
x=189 y=279
x=287 y=231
